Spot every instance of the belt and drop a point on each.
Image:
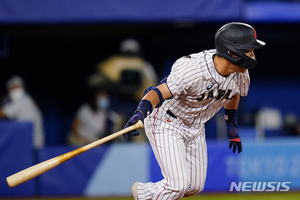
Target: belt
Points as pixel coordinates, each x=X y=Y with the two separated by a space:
x=171 y=114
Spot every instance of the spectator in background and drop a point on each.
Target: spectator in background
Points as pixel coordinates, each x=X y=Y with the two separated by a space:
x=129 y=71
x=94 y=119
x=21 y=107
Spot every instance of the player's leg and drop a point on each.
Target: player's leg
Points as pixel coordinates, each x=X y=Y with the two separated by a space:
x=197 y=163
x=169 y=149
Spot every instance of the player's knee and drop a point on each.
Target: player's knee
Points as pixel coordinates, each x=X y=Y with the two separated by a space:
x=199 y=189
x=183 y=188
x=180 y=187
x=194 y=190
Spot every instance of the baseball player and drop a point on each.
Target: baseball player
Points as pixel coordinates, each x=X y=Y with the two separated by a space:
x=174 y=112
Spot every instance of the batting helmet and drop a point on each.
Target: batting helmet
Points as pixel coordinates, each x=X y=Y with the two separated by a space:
x=232 y=38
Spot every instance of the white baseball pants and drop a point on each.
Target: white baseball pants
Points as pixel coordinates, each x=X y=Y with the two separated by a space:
x=181 y=154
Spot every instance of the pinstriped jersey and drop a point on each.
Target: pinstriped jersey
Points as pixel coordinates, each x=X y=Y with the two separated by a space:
x=198 y=90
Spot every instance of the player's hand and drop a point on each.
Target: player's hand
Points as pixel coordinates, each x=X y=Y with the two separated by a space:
x=234 y=136
x=134 y=119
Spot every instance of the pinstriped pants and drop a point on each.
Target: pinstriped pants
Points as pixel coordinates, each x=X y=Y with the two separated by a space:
x=181 y=154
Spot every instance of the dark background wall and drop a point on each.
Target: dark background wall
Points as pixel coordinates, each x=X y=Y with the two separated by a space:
x=56 y=58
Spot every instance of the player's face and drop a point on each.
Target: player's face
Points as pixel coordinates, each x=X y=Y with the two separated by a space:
x=249 y=53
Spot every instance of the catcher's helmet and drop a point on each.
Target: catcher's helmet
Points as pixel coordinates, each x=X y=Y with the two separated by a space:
x=232 y=38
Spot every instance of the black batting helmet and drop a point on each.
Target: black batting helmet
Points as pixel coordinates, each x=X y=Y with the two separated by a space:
x=232 y=38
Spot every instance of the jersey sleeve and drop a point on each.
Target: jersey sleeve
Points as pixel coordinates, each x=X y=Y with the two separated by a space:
x=181 y=76
x=245 y=83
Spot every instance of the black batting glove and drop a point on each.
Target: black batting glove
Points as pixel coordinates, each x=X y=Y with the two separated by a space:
x=234 y=137
x=134 y=119
x=232 y=132
x=140 y=113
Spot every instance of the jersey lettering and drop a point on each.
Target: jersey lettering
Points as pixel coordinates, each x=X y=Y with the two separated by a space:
x=210 y=94
x=227 y=94
x=201 y=98
x=221 y=94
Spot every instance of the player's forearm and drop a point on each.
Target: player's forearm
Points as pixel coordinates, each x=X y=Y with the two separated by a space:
x=233 y=104
x=153 y=97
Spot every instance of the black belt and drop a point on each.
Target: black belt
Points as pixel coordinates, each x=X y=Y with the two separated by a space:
x=171 y=114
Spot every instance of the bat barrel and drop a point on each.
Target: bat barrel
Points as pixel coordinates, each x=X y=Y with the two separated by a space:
x=31 y=172
x=38 y=169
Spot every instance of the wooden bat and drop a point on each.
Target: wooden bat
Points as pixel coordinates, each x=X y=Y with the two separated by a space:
x=38 y=169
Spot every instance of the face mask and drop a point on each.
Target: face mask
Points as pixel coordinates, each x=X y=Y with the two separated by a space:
x=103 y=103
x=16 y=94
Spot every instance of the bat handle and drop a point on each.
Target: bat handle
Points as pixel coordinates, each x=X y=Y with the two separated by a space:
x=138 y=125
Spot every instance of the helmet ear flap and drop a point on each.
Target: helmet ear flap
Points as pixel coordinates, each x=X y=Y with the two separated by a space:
x=234 y=57
x=232 y=54
x=227 y=53
x=246 y=62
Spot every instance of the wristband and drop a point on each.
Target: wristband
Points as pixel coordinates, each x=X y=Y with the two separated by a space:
x=145 y=107
x=161 y=100
x=230 y=116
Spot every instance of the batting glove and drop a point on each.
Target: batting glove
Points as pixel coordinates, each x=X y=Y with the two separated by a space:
x=232 y=132
x=141 y=112
x=234 y=136
x=134 y=119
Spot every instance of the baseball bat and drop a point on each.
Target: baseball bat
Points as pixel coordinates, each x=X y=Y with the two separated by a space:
x=40 y=168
